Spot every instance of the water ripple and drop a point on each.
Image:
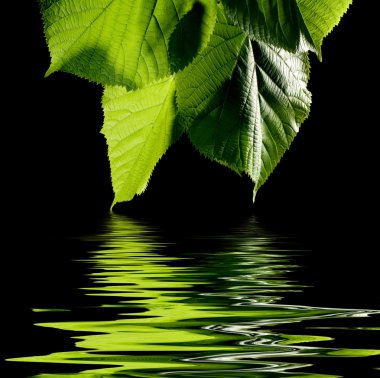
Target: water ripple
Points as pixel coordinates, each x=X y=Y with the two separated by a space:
x=214 y=307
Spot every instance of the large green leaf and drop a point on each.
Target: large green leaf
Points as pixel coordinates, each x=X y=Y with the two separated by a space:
x=122 y=42
x=296 y=25
x=139 y=128
x=248 y=111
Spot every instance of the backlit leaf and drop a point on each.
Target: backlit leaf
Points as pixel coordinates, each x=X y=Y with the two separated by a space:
x=139 y=128
x=123 y=42
x=232 y=73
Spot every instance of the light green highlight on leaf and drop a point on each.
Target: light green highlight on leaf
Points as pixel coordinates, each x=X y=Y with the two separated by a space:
x=138 y=126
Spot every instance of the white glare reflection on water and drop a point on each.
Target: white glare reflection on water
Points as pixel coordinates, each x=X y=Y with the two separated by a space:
x=207 y=305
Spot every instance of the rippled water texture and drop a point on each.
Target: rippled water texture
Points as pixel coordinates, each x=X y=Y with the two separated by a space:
x=208 y=304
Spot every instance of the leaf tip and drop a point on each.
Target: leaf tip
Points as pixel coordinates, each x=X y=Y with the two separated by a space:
x=50 y=70
x=319 y=54
x=254 y=195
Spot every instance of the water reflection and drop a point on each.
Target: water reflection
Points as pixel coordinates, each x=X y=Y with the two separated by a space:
x=208 y=305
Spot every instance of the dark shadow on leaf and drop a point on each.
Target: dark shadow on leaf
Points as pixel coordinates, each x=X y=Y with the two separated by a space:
x=94 y=65
x=185 y=41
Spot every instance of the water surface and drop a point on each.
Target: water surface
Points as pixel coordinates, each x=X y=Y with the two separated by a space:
x=131 y=299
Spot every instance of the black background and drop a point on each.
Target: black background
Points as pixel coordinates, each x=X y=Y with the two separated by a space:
x=324 y=190
x=56 y=175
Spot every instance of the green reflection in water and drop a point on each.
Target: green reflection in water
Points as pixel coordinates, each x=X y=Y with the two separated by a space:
x=211 y=305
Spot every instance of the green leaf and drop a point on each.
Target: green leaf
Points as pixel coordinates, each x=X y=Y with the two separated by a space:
x=139 y=127
x=244 y=113
x=321 y=17
x=114 y=42
x=238 y=72
x=295 y=25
